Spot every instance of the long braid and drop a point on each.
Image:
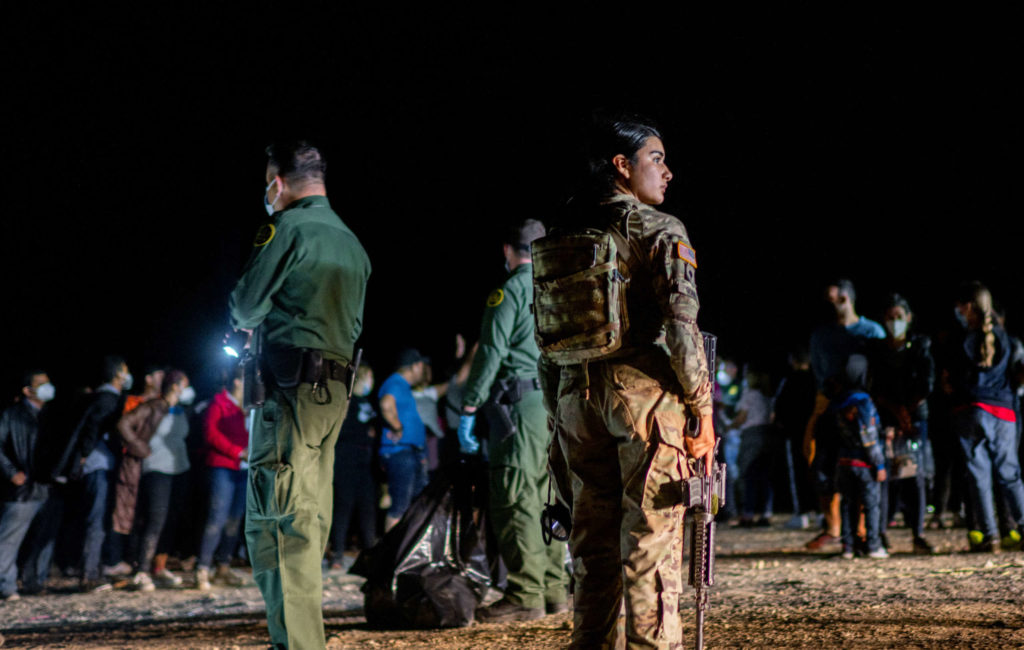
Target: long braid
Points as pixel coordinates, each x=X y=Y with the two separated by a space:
x=988 y=342
x=987 y=347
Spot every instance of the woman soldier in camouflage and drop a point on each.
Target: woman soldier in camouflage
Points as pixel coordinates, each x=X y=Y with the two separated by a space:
x=620 y=401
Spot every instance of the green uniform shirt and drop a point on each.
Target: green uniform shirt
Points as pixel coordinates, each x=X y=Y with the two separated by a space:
x=305 y=282
x=507 y=345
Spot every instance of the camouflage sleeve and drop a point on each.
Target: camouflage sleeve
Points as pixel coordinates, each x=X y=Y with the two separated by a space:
x=549 y=374
x=674 y=263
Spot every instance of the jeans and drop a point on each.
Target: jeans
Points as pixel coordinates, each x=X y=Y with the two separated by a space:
x=909 y=494
x=224 y=521
x=150 y=516
x=990 y=447
x=407 y=476
x=15 y=519
x=730 y=454
x=42 y=539
x=858 y=486
x=755 y=463
x=95 y=495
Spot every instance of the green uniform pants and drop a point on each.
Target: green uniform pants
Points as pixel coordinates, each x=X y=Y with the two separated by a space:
x=518 y=490
x=288 y=508
x=620 y=430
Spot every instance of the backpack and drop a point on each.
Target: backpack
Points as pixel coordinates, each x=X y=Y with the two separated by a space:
x=579 y=294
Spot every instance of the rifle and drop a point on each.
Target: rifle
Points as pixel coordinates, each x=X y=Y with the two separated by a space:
x=703 y=495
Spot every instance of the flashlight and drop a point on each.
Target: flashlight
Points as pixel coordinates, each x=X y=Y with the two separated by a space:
x=234 y=343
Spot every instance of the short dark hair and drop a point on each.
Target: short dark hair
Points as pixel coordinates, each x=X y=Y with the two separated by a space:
x=171 y=377
x=522 y=233
x=111 y=366
x=26 y=379
x=845 y=285
x=297 y=161
x=611 y=135
x=896 y=300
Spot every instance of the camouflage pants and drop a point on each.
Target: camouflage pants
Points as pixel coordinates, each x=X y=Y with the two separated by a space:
x=288 y=507
x=620 y=429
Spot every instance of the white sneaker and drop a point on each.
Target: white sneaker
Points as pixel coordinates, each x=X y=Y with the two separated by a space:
x=166 y=579
x=203 y=579
x=122 y=568
x=10 y=598
x=143 y=582
x=879 y=553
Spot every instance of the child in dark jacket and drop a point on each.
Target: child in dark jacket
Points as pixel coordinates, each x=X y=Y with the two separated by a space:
x=861 y=459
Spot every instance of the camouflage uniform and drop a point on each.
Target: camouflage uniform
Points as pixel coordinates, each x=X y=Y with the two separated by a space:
x=620 y=426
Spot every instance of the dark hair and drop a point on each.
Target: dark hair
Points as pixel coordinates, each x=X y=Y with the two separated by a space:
x=522 y=233
x=896 y=300
x=297 y=161
x=171 y=377
x=111 y=366
x=610 y=136
x=26 y=379
x=845 y=285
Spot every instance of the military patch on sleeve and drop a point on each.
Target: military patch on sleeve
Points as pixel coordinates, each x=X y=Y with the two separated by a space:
x=264 y=235
x=495 y=298
x=686 y=253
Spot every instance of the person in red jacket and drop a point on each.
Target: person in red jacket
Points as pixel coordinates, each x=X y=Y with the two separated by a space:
x=227 y=443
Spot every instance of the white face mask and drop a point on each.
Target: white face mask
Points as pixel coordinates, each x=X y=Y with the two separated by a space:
x=897 y=328
x=45 y=392
x=129 y=381
x=188 y=395
x=363 y=388
x=267 y=205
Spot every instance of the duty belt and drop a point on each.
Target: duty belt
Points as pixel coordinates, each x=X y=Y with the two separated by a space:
x=527 y=385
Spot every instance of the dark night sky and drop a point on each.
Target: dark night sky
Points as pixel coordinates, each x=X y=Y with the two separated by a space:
x=804 y=145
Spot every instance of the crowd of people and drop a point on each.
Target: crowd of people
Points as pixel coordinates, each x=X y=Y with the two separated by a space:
x=108 y=484
x=871 y=421
x=122 y=489
x=877 y=420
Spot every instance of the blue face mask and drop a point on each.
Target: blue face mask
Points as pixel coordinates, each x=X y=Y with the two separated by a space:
x=960 y=318
x=267 y=205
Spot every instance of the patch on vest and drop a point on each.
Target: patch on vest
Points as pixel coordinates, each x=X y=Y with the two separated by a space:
x=264 y=235
x=495 y=298
x=686 y=253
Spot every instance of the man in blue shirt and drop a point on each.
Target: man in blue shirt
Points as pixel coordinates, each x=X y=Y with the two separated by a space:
x=831 y=347
x=403 y=444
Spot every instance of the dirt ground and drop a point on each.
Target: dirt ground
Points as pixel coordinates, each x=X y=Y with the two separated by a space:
x=770 y=592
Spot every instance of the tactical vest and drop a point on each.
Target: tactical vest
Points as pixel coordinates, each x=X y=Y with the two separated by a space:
x=579 y=294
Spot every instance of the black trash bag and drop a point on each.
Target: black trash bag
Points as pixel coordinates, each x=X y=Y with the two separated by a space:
x=431 y=569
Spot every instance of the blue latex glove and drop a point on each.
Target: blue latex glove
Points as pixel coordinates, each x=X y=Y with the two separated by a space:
x=467 y=441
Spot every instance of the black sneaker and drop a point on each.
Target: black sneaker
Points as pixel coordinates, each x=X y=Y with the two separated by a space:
x=922 y=547
x=505 y=611
x=556 y=608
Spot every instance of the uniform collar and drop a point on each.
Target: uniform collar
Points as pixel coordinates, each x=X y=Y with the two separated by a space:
x=618 y=197
x=315 y=201
x=525 y=267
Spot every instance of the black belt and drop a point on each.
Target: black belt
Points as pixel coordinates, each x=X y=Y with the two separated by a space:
x=295 y=366
x=527 y=385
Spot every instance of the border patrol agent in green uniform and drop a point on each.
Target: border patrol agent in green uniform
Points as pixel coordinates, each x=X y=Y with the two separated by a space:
x=503 y=384
x=304 y=287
